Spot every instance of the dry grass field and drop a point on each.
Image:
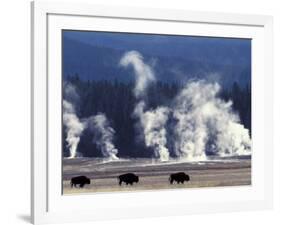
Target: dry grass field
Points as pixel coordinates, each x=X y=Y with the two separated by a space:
x=154 y=175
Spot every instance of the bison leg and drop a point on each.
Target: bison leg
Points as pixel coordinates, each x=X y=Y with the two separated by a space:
x=171 y=181
x=120 y=182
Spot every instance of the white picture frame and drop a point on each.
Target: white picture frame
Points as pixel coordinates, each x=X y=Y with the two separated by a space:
x=47 y=203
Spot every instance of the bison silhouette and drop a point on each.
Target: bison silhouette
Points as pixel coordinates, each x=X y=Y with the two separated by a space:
x=128 y=178
x=80 y=180
x=180 y=177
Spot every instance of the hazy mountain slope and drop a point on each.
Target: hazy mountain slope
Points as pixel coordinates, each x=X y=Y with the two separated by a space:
x=99 y=62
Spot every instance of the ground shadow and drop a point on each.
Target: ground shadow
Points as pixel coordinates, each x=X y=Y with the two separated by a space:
x=25 y=218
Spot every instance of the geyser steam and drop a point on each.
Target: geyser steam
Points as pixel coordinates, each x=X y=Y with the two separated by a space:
x=143 y=72
x=74 y=127
x=200 y=123
x=203 y=123
x=103 y=135
x=98 y=124
x=151 y=122
x=207 y=123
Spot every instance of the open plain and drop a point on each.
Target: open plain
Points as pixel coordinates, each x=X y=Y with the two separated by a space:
x=154 y=175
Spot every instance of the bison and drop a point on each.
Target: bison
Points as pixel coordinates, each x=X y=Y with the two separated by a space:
x=180 y=177
x=80 y=180
x=128 y=178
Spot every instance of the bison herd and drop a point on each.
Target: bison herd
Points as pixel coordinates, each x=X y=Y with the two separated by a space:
x=129 y=178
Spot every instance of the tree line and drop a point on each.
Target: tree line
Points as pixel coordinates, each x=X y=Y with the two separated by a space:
x=116 y=100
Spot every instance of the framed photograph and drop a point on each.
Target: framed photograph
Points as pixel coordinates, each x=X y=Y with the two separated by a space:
x=140 y=112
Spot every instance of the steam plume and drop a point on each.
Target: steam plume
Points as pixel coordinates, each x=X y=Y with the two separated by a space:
x=151 y=122
x=70 y=93
x=103 y=135
x=74 y=128
x=207 y=123
x=143 y=72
